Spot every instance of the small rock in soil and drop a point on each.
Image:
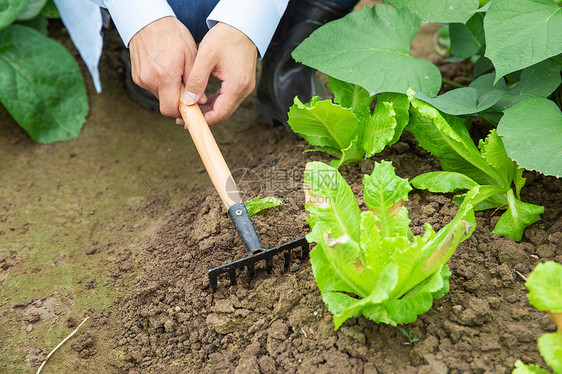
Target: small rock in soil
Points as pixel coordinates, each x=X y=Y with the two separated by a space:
x=91 y=251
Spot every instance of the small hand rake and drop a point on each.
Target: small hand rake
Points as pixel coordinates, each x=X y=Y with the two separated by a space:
x=226 y=187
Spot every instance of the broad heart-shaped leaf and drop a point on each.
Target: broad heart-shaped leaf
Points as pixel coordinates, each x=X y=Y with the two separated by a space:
x=520 y=33
x=447 y=138
x=443 y=181
x=10 y=10
x=467 y=40
x=517 y=216
x=539 y=80
x=384 y=195
x=371 y=48
x=550 y=347
x=532 y=133
x=41 y=85
x=443 y=11
x=323 y=124
x=32 y=9
x=545 y=287
x=461 y=101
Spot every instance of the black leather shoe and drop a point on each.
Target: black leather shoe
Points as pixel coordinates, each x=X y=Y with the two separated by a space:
x=144 y=97
x=282 y=78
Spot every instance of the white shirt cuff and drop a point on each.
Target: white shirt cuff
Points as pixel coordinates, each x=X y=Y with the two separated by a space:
x=129 y=17
x=257 y=19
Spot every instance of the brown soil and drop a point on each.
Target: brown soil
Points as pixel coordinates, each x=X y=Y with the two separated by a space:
x=172 y=322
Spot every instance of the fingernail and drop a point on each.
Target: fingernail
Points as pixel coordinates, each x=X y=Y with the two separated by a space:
x=189 y=98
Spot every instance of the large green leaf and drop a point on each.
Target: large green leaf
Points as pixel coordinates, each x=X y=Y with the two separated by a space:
x=550 y=347
x=443 y=11
x=545 y=287
x=539 y=80
x=323 y=124
x=41 y=85
x=460 y=101
x=10 y=10
x=32 y=9
x=371 y=48
x=467 y=40
x=532 y=134
x=447 y=138
x=520 y=33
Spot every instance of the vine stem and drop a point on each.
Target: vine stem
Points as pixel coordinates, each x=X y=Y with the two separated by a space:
x=61 y=343
x=452 y=84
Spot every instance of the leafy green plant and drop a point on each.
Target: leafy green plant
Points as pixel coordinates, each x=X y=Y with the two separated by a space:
x=545 y=293
x=408 y=335
x=258 y=204
x=370 y=48
x=466 y=166
x=41 y=85
x=369 y=262
x=346 y=128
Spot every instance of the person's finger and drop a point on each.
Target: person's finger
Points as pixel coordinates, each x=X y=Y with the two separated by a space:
x=231 y=95
x=169 y=95
x=223 y=105
x=198 y=77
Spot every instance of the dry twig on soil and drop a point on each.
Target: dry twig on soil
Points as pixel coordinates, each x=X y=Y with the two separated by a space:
x=61 y=343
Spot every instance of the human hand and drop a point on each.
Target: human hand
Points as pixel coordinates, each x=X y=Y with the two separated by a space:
x=228 y=54
x=162 y=53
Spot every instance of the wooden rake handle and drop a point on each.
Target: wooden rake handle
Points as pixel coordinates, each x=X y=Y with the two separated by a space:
x=210 y=153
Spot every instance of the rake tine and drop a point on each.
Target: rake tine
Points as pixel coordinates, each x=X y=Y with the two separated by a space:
x=213 y=281
x=287 y=258
x=250 y=261
x=269 y=264
x=232 y=275
x=251 y=270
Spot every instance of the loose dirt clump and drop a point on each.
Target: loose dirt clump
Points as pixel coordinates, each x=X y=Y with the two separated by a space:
x=173 y=322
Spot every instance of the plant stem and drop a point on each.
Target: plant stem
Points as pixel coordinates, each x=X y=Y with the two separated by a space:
x=452 y=84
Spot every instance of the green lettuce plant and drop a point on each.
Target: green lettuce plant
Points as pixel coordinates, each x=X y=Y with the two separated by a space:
x=369 y=263
x=41 y=85
x=466 y=166
x=345 y=127
x=545 y=293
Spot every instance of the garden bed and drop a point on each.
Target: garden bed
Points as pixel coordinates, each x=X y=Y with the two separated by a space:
x=278 y=322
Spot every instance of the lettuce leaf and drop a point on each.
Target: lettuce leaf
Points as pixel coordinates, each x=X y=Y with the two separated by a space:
x=545 y=293
x=345 y=127
x=465 y=165
x=369 y=262
x=258 y=204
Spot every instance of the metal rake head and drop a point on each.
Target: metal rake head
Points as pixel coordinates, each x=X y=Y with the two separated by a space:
x=250 y=261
